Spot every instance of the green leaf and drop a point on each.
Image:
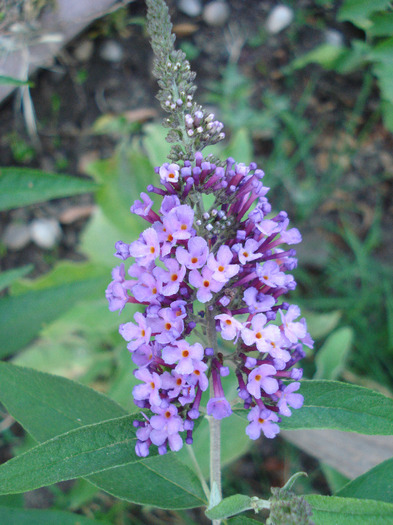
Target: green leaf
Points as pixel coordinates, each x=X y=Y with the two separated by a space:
x=330 y=359
x=359 y=11
x=9 y=516
x=9 y=276
x=375 y=484
x=229 y=507
x=331 y=510
x=161 y=481
x=47 y=406
x=155 y=144
x=325 y=55
x=341 y=406
x=4 y=81
x=387 y=114
x=382 y=24
x=22 y=317
x=243 y=520
x=122 y=177
x=24 y=186
x=240 y=146
x=77 y=453
x=320 y=325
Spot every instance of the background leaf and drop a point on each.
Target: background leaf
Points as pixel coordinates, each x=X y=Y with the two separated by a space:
x=9 y=516
x=24 y=186
x=331 y=357
x=376 y=484
x=331 y=510
x=9 y=276
x=22 y=317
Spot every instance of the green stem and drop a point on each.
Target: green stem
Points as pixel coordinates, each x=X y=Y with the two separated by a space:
x=214 y=425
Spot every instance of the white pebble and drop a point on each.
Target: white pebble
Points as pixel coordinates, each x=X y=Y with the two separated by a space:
x=111 y=51
x=216 y=13
x=16 y=236
x=334 y=38
x=190 y=7
x=279 y=18
x=45 y=232
x=84 y=51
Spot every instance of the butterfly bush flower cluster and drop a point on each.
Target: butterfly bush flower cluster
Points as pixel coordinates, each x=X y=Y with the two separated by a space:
x=210 y=281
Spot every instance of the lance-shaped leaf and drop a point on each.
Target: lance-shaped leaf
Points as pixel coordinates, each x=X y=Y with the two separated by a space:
x=77 y=453
x=375 y=484
x=331 y=510
x=48 y=406
x=341 y=406
x=8 y=277
x=24 y=186
x=10 y=516
x=23 y=316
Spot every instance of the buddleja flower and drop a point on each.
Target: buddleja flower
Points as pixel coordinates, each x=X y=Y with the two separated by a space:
x=201 y=274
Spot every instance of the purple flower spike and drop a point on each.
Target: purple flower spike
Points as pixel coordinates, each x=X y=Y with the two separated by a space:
x=232 y=258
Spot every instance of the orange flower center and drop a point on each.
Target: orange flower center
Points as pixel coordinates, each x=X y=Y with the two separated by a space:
x=206 y=284
x=174 y=277
x=185 y=353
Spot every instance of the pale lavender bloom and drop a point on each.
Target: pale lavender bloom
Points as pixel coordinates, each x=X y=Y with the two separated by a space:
x=147 y=289
x=204 y=283
x=230 y=327
x=293 y=331
x=287 y=397
x=143 y=355
x=166 y=326
x=183 y=218
x=136 y=334
x=254 y=334
x=169 y=172
x=173 y=277
x=142 y=207
x=262 y=421
x=198 y=375
x=122 y=250
x=116 y=292
x=270 y=275
x=195 y=256
x=268 y=227
x=218 y=407
x=178 y=308
x=247 y=253
x=168 y=203
x=166 y=425
x=260 y=378
x=257 y=300
x=188 y=356
x=221 y=267
x=147 y=248
x=150 y=390
x=291 y=236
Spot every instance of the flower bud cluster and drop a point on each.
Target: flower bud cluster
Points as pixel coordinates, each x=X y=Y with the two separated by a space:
x=200 y=274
